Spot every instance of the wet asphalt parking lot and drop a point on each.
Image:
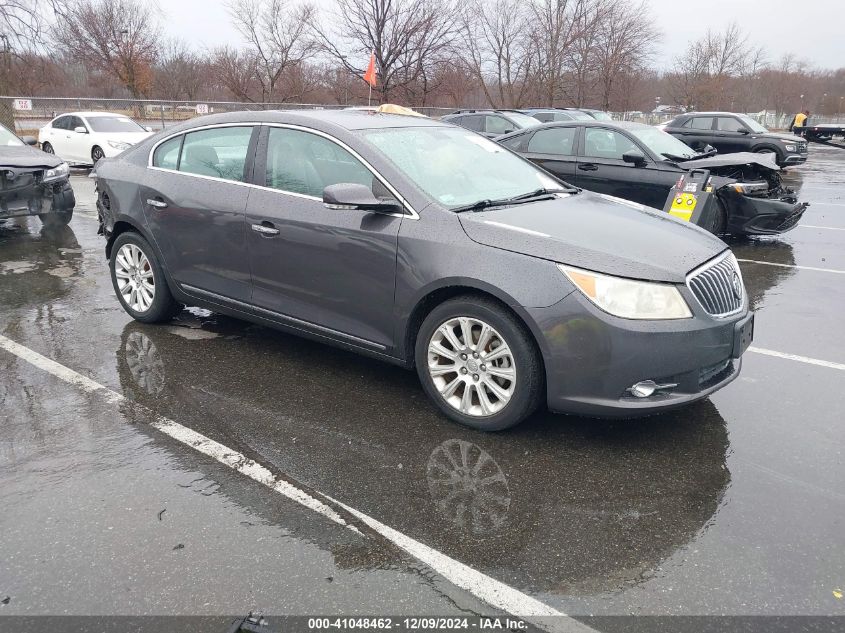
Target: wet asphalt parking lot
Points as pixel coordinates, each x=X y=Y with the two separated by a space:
x=363 y=500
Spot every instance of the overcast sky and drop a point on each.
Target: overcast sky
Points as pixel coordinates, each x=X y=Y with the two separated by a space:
x=817 y=36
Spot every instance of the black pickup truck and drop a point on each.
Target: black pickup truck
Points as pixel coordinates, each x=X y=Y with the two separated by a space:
x=730 y=133
x=33 y=182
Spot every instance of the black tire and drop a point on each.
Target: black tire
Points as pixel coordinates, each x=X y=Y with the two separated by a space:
x=717 y=222
x=163 y=306
x=46 y=147
x=529 y=378
x=56 y=218
x=97 y=153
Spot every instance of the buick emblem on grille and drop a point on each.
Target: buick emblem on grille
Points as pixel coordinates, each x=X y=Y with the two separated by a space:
x=737 y=286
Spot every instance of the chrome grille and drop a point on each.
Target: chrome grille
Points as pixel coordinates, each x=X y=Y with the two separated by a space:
x=718 y=285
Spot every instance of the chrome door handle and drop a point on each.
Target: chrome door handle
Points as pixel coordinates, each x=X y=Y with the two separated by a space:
x=265 y=230
x=158 y=204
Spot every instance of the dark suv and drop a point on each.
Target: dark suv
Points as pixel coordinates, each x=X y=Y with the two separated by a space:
x=491 y=123
x=729 y=132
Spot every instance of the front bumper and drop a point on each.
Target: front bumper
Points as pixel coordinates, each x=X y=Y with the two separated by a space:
x=593 y=358
x=794 y=159
x=748 y=215
x=37 y=199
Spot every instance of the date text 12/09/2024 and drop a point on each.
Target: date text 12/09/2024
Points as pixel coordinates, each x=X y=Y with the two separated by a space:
x=417 y=624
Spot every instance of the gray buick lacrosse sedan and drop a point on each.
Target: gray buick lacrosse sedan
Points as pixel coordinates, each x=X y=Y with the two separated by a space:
x=431 y=247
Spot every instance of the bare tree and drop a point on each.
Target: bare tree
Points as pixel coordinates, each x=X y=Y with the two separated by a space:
x=178 y=74
x=22 y=21
x=236 y=71
x=408 y=37
x=278 y=36
x=497 y=50
x=117 y=37
x=555 y=30
x=626 y=39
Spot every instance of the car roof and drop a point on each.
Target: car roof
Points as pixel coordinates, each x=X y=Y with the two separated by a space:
x=89 y=115
x=345 y=119
x=622 y=125
x=712 y=114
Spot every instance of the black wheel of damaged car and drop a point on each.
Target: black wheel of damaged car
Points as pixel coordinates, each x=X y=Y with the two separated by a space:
x=97 y=153
x=478 y=364
x=47 y=148
x=56 y=218
x=138 y=280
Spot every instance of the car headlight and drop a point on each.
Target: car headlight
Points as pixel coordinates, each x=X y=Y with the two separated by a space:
x=119 y=144
x=627 y=298
x=56 y=173
x=790 y=148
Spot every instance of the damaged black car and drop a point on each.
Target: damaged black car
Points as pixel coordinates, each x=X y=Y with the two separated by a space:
x=645 y=165
x=33 y=182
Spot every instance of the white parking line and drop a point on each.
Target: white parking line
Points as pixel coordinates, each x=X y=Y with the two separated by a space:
x=483 y=587
x=800 y=359
x=827 y=204
x=821 y=270
x=813 y=226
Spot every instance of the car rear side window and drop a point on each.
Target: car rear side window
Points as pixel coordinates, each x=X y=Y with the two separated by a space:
x=556 y=140
x=217 y=152
x=702 y=123
x=474 y=122
x=166 y=155
x=728 y=124
x=306 y=163
x=62 y=123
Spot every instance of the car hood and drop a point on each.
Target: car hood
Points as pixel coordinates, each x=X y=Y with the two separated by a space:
x=786 y=138
x=26 y=156
x=125 y=137
x=726 y=160
x=597 y=233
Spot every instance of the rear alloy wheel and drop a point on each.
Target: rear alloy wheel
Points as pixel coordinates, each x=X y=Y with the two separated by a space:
x=47 y=148
x=478 y=364
x=97 y=153
x=138 y=280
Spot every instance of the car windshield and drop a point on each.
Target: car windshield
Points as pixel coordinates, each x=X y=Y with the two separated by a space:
x=523 y=120
x=662 y=143
x=7 y=138
x=457 y=167
x=115 y=124
x=752 y=124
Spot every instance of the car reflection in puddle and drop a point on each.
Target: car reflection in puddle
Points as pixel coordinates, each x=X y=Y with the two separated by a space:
x=561 y=505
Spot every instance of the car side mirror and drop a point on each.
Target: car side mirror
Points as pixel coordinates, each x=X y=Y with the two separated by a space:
x=508 y=131
x=351 y=196
x=636 y=157
x=29 y=140
x=707 y=149
x=80 y=130
x=148 y=128
x=744 y=131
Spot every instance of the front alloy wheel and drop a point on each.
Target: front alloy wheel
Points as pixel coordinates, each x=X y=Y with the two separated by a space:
x=478 y=363
x=472 y=366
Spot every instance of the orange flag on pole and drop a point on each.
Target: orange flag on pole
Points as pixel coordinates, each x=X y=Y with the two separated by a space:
x=370 y=75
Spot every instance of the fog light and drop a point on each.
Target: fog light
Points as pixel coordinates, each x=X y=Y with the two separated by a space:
x=647 y=388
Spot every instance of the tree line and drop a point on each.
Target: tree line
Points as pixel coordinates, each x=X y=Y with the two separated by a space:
x=477 y=53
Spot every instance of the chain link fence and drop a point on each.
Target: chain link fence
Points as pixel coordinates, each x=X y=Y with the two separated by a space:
x=26 y=115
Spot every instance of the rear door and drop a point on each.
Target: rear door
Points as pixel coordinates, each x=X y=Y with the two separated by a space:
x=553 y=149
x=194 y=200
x=600 y=168
x=696 y=132
x=314 y=267
x=58 y=135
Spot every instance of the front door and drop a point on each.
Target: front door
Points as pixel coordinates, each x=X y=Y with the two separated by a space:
x=194 y=200
x=329 y=268
x=601 y=169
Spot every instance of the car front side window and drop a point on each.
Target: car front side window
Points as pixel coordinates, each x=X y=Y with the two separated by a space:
x=498 y=125
x=728 y=124
x=305 y=163
x=603 y=143
x=216 y=152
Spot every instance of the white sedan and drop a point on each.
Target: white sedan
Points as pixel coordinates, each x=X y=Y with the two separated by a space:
x=83 y=138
